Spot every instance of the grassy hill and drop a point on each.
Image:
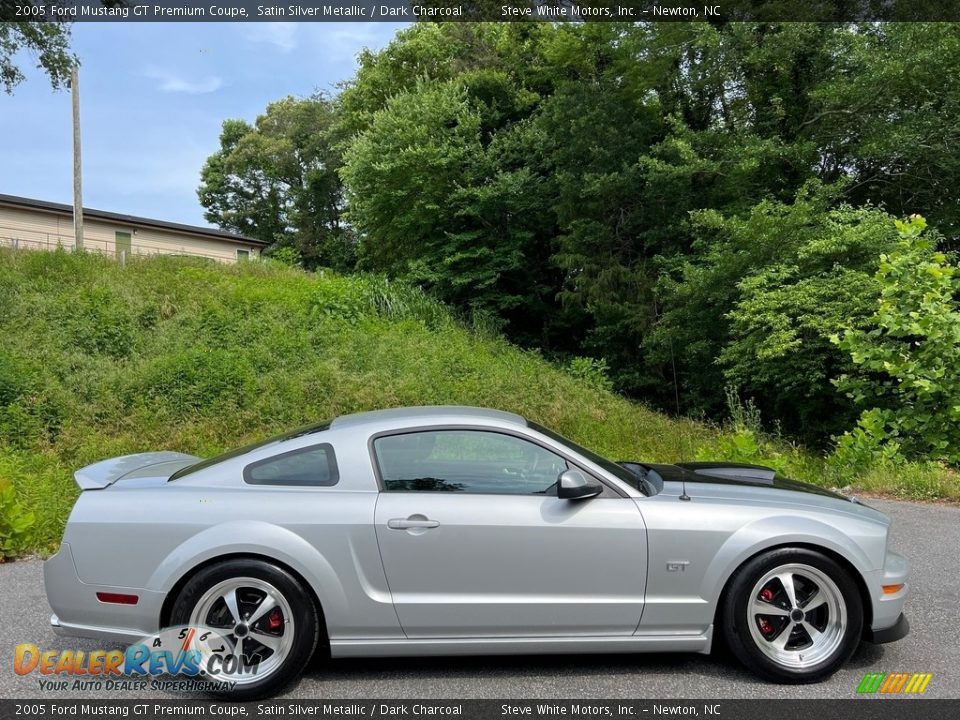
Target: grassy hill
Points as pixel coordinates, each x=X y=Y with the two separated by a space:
x=98 y=360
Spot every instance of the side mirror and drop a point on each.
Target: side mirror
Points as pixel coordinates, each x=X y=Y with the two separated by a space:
x=574 y=485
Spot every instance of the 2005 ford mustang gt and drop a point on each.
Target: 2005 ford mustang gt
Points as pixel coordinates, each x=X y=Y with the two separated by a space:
x=454 y=531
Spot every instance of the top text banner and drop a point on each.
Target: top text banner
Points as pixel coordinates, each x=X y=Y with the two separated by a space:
x=495 y=10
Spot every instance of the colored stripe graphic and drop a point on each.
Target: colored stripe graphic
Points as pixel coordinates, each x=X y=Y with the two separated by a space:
x=871 y=682
x=918 y=683
x=894 y=683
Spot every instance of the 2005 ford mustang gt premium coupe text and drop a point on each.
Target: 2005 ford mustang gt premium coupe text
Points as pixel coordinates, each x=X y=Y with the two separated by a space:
x=455 y=531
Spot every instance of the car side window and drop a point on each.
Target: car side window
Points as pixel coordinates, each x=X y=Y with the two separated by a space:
x=468 y=461
x=313 y=466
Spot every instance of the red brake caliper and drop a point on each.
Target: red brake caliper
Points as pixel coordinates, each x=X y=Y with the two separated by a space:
x=275 y=619
x=767 y=596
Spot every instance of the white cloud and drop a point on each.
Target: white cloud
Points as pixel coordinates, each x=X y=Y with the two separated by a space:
x=169 y=82
x=281 y=35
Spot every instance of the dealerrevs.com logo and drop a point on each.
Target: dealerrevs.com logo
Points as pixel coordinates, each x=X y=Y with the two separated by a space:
x=202 y=655
x=895 y=683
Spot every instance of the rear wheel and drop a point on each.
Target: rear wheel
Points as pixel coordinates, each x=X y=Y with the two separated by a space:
x=268 y=620
x=793 y=615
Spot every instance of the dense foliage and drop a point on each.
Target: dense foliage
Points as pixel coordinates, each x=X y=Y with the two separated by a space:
x=15 y=523
x=695 y=205
x=99 y=360
x=907 y=359
x=755 y=306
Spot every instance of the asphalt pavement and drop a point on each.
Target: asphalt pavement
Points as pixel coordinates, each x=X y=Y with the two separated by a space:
x=929 y=535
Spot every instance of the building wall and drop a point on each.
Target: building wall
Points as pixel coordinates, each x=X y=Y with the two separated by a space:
x=38 y=230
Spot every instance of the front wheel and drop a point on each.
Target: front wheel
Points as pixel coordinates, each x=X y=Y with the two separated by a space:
x=268 y=622
x=793 y=615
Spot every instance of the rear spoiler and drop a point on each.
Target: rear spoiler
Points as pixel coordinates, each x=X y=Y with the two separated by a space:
x=106 y=472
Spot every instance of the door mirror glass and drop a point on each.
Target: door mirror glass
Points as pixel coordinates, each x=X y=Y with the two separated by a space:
x=574 y=485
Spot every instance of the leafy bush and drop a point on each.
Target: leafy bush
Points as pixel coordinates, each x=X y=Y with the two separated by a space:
x=29 y=412
x=15 y=523
x=761 y=298
x=287 y=256
x=744 y=441
x=907 y=361
x=865 y=446
x=195 y=380
x=15 y=378
x=591 y=371
x=98 y=322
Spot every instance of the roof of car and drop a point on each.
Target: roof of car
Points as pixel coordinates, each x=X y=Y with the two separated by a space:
x=427 y=413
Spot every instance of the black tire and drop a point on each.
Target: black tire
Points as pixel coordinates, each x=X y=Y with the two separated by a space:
x=841 y=633
x=303 y=612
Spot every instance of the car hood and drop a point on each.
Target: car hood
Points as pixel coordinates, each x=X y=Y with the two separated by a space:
x=756 y=484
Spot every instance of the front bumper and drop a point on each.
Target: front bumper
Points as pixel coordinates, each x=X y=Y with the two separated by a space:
x=888 y=621
x=895 y=632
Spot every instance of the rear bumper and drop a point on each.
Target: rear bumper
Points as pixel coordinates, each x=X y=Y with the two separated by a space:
x=895 y=632
x=78 y=611
x=111 y=635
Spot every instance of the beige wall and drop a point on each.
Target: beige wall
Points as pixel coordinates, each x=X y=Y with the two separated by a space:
x=39 y=230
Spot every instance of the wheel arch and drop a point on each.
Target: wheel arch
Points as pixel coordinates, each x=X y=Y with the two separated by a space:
x=166 y=609
x=255 y=540
x=837 y=557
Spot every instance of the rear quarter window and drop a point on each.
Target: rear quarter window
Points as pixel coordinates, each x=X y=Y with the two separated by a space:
x=313 y=466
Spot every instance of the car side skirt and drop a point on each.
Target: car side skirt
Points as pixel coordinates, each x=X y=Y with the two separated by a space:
x=698 y=643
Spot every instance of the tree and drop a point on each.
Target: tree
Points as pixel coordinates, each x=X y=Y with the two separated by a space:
x=436 y=202
x=906 y=374
x=650 y=124
x=756 y=302
x=47 y=42
x=728 y=119
x=889 y=119
x=403 y=172
x=277 y=181
x=438 y=52
x=821 y=279
x=674 y=199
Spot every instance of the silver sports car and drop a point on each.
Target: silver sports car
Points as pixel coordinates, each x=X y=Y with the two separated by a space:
x=462 y=531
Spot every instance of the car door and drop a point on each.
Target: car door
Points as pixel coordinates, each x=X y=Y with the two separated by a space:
x=476 y=543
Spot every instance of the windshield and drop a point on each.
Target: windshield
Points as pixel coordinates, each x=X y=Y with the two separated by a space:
x=613 y=468
x=209 y=462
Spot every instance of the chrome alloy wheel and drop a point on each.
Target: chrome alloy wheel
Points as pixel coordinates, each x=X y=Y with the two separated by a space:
x=256 y=619
x=797 y=616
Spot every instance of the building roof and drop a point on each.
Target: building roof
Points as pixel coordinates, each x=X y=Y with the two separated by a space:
x=64 y=209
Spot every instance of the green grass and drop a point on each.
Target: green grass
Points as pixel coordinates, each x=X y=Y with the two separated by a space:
x=98 y=360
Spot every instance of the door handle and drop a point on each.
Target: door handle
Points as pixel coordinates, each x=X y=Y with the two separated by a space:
x=411 y=523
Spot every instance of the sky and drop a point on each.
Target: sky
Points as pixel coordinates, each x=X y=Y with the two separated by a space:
x=153 y=98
